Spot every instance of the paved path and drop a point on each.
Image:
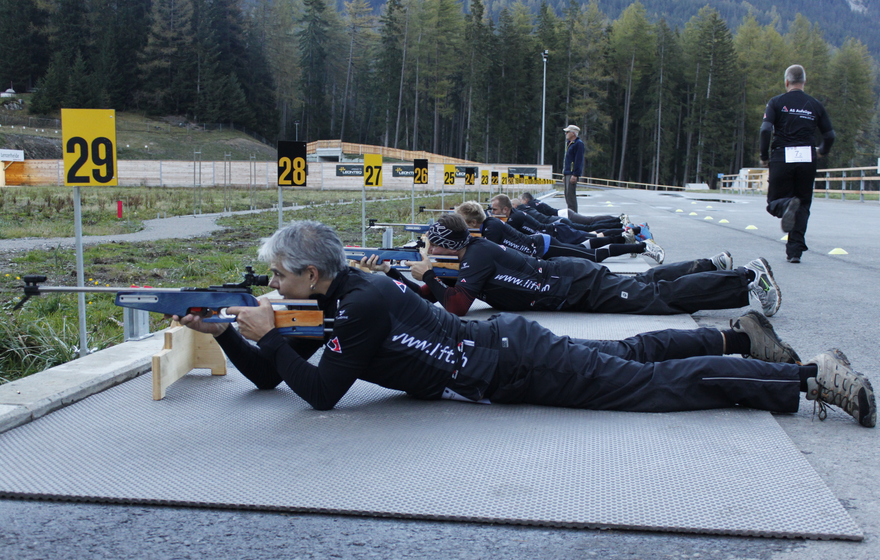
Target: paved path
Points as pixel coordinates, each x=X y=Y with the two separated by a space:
x=176 y=227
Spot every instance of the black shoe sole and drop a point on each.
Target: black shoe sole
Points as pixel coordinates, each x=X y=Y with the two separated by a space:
x=789 y=215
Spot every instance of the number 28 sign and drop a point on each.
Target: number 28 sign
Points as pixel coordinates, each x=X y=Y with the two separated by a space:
x=89 y=143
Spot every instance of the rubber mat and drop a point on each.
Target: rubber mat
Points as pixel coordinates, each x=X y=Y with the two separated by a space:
x=218 y=442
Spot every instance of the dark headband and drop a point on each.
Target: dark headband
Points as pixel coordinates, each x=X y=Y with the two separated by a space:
x=441 y=236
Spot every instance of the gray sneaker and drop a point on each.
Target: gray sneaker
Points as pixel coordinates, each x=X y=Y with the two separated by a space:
x=654 y=251
x=765 y=343
x=764 y=288
x=839 y=385
x=624 y=220
x=723 y=261
x=629 y=237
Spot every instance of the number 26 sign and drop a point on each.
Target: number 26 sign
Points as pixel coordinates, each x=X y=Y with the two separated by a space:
x=89 y=144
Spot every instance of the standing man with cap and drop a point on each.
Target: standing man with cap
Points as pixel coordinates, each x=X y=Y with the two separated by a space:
x=573 y=167
x=791 y=120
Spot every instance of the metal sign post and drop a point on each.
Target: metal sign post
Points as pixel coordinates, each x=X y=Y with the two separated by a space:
x=292 y=170
x=89 y=144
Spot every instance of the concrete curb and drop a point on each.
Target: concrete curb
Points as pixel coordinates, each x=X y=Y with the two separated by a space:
x=32 y=397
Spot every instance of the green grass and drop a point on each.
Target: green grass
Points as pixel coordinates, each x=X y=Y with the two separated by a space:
x=44 y=333
x=49 y=211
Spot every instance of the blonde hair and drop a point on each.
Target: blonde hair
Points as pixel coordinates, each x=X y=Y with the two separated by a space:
x=471 y=211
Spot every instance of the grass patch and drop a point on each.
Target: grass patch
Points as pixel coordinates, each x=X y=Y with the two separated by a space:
x=45 y=332
x=48 y=211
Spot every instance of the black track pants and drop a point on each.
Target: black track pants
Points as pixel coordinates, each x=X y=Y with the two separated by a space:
x=684 y=287
x=787 y=181
x=662 y=371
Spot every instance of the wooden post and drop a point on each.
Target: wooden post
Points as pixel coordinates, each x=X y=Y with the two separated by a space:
x=185 y=350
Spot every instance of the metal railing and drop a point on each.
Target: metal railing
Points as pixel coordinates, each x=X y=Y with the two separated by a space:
x=615 y=184
x=841 y=181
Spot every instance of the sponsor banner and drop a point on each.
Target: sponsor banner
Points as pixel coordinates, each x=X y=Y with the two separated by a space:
x=349 y=170
x=529 y=171
x=403 y=171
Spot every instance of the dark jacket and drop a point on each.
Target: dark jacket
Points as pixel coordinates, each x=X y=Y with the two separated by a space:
x=574 y=158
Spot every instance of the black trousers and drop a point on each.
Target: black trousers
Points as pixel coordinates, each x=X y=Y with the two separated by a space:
x=662 y=371
x=594 y=222
x=787 y=181
x=570 y=193
x=684 y=287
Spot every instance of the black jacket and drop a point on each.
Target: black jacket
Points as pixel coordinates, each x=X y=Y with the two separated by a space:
x=383 y=333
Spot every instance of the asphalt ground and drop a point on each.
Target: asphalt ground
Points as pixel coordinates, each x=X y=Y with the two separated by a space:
x=828 y=300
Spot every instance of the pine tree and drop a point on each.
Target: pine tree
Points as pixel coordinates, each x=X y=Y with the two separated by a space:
x=167 y=62
x=851 y=106
x=52 y=87
x=715 y=94
x=22 y=42
x=314 y=44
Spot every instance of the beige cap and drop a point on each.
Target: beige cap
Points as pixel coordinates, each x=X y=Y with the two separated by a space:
x=572 y=128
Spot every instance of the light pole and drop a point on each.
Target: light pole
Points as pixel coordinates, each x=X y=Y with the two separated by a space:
x=297 y=130
x=544 y=55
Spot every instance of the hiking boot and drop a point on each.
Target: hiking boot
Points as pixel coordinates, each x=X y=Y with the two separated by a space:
x=788 y=216
x=765 y=343
x=839 y=385
x=654 y=251
x=723 y=261
x=764 y=288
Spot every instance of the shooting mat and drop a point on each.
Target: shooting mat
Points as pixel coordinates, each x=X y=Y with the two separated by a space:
x=218 y=442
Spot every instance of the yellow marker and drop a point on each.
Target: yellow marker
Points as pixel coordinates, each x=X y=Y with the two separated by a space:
x=723 y=222
x=708 y=218
x=679 y=210
x=784 y=237
x=751 y=227
x=693 y=202
x=692 y=214
x=837 y=251
x=372 y=170
x=708 y=208
x=89 y=145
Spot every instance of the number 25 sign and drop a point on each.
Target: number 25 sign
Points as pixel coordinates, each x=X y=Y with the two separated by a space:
x=89 y=143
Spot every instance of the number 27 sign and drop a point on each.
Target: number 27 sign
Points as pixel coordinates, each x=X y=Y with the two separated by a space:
x=89 y=143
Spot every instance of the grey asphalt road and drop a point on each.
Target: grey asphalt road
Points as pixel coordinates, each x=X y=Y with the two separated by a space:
x=828 y=300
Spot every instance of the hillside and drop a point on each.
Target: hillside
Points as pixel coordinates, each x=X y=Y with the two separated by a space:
x=838 y=19
x=137 y=138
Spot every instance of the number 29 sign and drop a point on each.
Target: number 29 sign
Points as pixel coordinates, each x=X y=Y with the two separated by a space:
x=89 y=144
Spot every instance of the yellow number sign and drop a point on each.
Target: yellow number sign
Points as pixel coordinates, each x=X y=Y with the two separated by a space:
x=89 y=144
x=448 y=174
x=484 y=178
x=292 y=168
x=420 y=172
x=372 y=170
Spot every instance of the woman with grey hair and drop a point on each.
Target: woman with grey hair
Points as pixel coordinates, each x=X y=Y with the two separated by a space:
x=386 y=333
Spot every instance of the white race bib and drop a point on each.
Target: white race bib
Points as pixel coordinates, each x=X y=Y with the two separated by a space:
x=798 y=154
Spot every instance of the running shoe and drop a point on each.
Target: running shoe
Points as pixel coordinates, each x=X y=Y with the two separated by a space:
x=654 y=251
x=723 y=261
x=765 y=344
x=764 y=287
x=838 y=384
x=788 y=217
